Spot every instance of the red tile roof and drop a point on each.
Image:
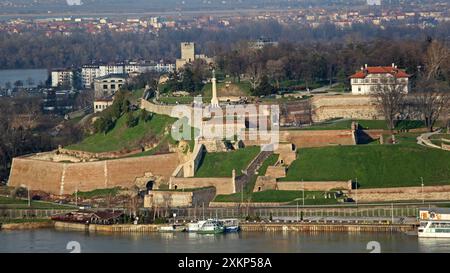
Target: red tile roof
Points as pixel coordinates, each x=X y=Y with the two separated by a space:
x=399 y=73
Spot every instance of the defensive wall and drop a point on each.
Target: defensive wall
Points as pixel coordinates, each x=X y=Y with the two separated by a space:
x=269 y=183
x=194 y=198
x=64 y=178
x=401 y=193
x=223 y=185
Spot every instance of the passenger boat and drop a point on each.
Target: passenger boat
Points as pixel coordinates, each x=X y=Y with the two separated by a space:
x=434 y=229
x=434 y=223
x=172 y=228
x=230 y=225
x=194 y=227
x=211 y=227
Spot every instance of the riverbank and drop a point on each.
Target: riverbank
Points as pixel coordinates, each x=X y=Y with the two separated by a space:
x=330 y=226
x=251 y=227
x=26 y=225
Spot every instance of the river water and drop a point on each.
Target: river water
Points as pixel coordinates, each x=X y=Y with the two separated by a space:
x=29 y=77
x=49 y=240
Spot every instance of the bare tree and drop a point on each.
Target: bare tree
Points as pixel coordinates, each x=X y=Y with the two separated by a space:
x=254 y=72
x=275 y=69
x=437 y=54
x=432 y=95
x=432 y=99
x=390 y=97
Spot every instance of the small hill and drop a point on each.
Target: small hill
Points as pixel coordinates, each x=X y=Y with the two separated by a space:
x=122 y=137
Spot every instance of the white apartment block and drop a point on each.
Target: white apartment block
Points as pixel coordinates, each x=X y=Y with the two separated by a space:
x=90 y=72
x=106 y=86
x=62 y=77
x=369 y=78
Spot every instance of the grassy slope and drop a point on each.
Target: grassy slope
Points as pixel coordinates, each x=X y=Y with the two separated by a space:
x=121 y=137
x=98 y=192
x=23 y=204
x=222 y=164
x=243 y=86
x=373 y=165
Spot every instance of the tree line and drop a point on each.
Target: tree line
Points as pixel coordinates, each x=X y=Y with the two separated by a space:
x=34 y=49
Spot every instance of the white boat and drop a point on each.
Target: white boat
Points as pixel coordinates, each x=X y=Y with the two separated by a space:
x=172 y=228
x=434 y=223
x=434 y=229
x=211 y=227
x=230 y=225
x=194 y=227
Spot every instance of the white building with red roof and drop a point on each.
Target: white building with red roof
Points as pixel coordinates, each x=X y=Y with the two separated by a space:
x=367 y=80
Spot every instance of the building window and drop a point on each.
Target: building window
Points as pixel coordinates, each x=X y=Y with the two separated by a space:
x=113 y=86
x=105 y=86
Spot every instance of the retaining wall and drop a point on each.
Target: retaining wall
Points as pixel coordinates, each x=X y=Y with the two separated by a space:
x=401 y=193
x=313 y=186
x=63 y=178
x=223 y=185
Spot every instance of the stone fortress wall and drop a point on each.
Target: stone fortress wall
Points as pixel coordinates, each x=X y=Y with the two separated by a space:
x=64 y=178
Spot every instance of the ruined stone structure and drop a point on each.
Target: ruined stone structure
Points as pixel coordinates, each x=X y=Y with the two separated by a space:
x=344 y=106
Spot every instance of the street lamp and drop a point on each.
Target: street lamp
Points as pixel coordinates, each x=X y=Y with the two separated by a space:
x=29 y=199
x=423 y=199
x=303 y=193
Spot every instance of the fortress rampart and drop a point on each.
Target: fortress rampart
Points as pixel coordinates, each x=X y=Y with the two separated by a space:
x=65 y=178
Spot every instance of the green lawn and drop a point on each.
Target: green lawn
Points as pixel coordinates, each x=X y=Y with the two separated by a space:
x=373 y=165
x=98 y=192
x=437 y=139
x=121 y=137
x=24 y=220
x=243 y=86
x=300 y=84
x=364 y=124
x=311 y=197
x=221 y=164
x=7 y=202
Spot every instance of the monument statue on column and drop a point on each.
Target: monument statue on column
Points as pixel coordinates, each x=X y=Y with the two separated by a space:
x=214 y=99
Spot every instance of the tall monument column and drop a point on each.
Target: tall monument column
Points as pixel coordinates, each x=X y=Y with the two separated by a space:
x=214 y=99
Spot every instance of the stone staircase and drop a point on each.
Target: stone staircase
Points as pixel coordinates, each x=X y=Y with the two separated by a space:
x=252 y=168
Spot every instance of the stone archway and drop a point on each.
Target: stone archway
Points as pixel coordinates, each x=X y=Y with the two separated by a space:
x=149 y=185
x=147 y=182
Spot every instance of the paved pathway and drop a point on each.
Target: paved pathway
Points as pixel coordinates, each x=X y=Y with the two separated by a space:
x=424 y=139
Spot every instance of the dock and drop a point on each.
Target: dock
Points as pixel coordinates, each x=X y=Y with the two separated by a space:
x=326 y=227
